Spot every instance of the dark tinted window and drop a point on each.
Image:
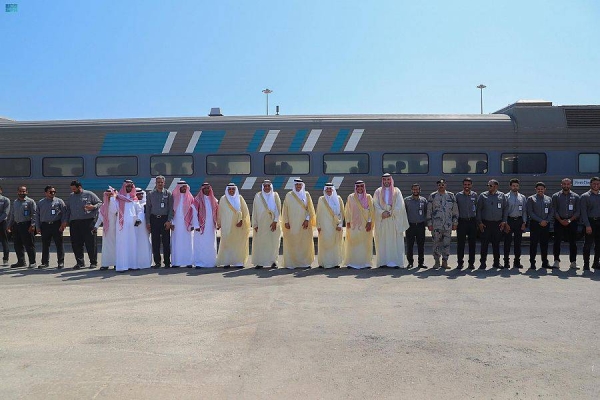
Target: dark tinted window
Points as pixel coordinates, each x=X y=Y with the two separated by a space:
x=233 y=164
x=461 y=163
x=15 y=167
x=62 y=166
x=346 y=163
x=171 y=165
x=116 y=166
x=523 y=163
x=589 y=163
x=287 y=164
x=407 y=163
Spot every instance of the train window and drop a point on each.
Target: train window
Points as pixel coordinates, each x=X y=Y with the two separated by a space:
x=523 y=163
x=346 y=163
x=233 y=164
x=15 y=167
x=461 y=163
x=287 y=164
x=589 y=163
x=171 y=165
x=62 y=166
x=407 y=163
x=119 y=166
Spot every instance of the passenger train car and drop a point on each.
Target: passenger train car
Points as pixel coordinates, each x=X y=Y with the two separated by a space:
x=532 y=141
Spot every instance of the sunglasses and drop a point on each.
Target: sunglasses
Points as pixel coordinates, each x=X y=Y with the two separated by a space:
x=52 y=191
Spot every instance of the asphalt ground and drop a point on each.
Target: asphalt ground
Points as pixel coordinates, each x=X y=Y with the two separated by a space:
x=286 y=334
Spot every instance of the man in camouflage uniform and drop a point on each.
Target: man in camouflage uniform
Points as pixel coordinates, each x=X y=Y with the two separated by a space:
x=442 y=219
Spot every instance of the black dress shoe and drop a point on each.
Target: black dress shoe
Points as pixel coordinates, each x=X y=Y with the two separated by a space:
x=77 y=266
x=471 y=266
x=167 y=266
x=258 y=267
x=60 y=266
x=586 y=267
x=226 y=266
x=422 y=266
x=274 y=266
x=103 y=268
x=410 y=265
x=17 y=265
x=156 y=266
x=482 y=266
x=320 y=266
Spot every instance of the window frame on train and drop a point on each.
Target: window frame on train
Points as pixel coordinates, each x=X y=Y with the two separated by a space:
x=189 y=159
x=211 y=158
x=117 y=172
x=405 y=158
x=520 y=170
x=274 y=172
x=7 y=163
x=581 y=171
x=327 y=167
x=472 y=169
x=47 y=173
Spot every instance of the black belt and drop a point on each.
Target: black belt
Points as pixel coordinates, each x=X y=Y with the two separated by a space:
x=515 y=218
x=51 y=222
x=157 y=216
x=24 y=222
x=594 y=218
x=467 y=219
x=416 y=223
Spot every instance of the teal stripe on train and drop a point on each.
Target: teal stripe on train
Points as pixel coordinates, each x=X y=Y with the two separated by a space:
x=101 y=184
x=298 y=140
x=134 y=143
x=209 y=142
x=340 y=140
x=256 y=141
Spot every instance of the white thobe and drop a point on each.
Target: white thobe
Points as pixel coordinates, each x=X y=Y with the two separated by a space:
x=144 y=247
x=205 y=244
x=126 y=257
x=389 y=232
x=265 y=243
x=109 y=238
x=181 y=240
x=331 y=242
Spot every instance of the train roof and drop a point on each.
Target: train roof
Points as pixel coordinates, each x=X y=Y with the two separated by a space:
x=523 y=113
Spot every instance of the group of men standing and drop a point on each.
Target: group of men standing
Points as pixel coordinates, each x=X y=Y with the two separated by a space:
x=136 y=224
x=503 y=217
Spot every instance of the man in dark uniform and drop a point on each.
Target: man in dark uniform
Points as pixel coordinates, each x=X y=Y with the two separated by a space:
x=467 y=224
x=590 y=215
x=416 y=211
x=566 y=214
x=4 y=211
x=82 y=211
x=491 y=219
x=22 y=224
x=50 y=220
x=539 y=210
x=515 y=223
x=159 y=206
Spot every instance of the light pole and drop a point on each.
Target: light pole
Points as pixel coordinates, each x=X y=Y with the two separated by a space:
x=267 y=91
x=481 y=87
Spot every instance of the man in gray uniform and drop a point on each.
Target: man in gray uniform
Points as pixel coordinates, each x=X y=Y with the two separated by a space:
x=590 y=215
x=491 y=219
x=50 y=222
x=566 y=214
x=539 y=210
x=416 y=210
x=22 y=225
x=82 y=211
x=4 y=211
x=516 y=223
x=442 y=218
x=467 y=224
x=159 y=206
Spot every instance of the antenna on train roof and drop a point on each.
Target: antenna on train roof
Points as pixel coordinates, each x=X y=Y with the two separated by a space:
x=215 y=112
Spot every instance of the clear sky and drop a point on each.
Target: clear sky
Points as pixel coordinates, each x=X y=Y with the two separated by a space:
x=147 y=58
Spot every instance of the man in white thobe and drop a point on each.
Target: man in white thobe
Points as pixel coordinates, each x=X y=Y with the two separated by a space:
x=108 y=220
x=204 y=217
x=182 y=231
x=359 y=228
x=142 y=234
x=266 y=211
x=128 y=210
x=299 y=219
x=234 y=220
x=330 y=218
x=390 y=223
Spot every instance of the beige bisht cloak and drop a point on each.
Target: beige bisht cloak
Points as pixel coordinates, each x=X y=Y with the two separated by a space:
x=389 y=232
x=265 y=244
x=331 y=241
x=359 y=242
x=233 y=248
x=298 y=243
